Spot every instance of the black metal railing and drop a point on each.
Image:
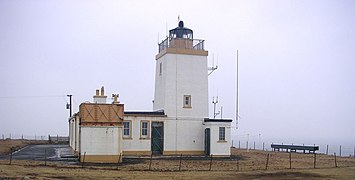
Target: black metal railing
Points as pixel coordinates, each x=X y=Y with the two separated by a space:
x=196 y=44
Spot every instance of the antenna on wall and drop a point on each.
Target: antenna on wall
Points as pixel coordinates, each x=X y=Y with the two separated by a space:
x=213 y=68
x=166 y=28
x=158 y=38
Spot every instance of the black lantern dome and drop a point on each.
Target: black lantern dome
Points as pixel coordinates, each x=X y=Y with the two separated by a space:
x=181 y=32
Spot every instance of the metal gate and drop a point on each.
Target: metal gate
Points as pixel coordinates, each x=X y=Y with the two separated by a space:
x=157 y=143
x=207 y=141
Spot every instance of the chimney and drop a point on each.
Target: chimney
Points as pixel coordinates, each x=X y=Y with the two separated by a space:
x=102 y=91
x=115 y=98
x=100 y=98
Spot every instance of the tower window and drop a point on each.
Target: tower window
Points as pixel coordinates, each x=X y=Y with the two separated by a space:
x=187 y=101
x=160 y=68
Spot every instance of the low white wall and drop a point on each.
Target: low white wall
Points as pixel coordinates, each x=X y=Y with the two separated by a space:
x=104 y=140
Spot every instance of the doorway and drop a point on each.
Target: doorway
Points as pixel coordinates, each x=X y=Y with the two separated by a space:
x=207 y=141
x=157 y=140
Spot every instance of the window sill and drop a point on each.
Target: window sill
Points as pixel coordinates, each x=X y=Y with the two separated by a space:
x=127 y=138
x=189 y=107
x=222 y=141
x=144 y=138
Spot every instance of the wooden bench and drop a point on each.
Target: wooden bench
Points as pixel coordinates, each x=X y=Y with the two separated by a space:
x=294 y=148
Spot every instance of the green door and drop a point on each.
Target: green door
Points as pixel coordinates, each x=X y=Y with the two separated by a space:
x=157 y=140
x=207 y=141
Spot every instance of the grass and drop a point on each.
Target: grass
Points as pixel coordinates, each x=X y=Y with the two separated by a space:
x=76 y=172
x=252 y=165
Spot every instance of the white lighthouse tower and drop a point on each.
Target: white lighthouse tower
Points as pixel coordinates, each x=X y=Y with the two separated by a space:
x=181 y=91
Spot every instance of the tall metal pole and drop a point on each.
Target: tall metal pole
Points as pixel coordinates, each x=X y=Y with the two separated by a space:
x=70 y=105
x=237 y=94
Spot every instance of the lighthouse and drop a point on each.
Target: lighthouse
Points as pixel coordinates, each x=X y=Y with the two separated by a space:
x=181 y=89
x=181 y=77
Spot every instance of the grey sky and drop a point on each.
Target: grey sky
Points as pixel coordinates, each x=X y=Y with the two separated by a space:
x=296 y=61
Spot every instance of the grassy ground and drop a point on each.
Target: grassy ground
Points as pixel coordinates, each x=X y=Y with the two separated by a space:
x=6 y=145
x=70 y=172
x=250 y=165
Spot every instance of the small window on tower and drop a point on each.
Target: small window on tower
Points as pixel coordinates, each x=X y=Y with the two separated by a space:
x=187 y=101
x=160 y=69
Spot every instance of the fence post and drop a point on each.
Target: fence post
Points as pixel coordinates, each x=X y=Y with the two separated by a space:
x=247 y=145
x=327 y=150
x=211 y=162
x=237 y=164
x=340 y=151
x=239 y=144
x=11 y=154
x=82 y=165
x=119 y=159
x=180 y=162
x=254 y=145
x=267 y=161
x=290 y=160
x=335 y=159
x=315 y=159
x=354 y=152
x=232 y=143
x=263 y=146
x=150 y=162
x=45 y=157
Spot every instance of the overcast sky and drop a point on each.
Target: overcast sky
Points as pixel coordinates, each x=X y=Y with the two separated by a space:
x=296 y=61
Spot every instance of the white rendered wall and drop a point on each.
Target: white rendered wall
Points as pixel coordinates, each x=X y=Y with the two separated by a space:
x=183 y=135
x=219 y=148
x=136 y=142
x=96 y=140
x=76 y=144
x=72 y=132
x=179 y=135
x=100 y=99
x=182 y=75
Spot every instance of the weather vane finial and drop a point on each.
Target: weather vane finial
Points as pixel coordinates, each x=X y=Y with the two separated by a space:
x=178 y=18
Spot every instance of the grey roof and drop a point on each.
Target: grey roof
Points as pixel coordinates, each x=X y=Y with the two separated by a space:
x=217 y=120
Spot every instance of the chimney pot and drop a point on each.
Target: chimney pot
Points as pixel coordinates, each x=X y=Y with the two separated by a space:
x=102 y=91
x=97 y=92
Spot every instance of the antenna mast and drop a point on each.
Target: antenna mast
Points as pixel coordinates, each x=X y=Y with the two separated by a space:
x=214 y=107
x=237 y=95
